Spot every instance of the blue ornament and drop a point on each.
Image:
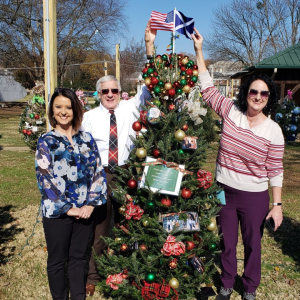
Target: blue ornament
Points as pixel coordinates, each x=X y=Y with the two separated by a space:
x=278 y=116
x=293 y=128
x=291 y=138
x=296 y=110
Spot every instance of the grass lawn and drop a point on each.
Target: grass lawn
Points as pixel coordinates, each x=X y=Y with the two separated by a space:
x=23 y=254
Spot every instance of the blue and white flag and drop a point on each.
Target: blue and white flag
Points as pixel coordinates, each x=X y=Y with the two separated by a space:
x=183 y=24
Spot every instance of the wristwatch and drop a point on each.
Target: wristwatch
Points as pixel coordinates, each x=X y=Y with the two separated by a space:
x=277 y=203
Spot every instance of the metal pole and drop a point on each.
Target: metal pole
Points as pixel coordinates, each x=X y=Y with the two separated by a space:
x=173 y=37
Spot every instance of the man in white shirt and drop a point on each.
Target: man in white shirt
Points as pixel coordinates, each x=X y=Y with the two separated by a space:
x=98 y=123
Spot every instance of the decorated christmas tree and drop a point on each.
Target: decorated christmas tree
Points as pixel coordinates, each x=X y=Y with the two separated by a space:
x=165 y=245
x=287 y=116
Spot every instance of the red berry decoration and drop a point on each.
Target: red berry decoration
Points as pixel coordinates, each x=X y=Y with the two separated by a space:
x=29 y=132
x=24 y=131
x=171 y=107
x=156 y=153
x=186 y=193
x=137 y=126
x=190 y=245
x=132 y=184
x=166 y=202
x=124 y=247
x=185 y=127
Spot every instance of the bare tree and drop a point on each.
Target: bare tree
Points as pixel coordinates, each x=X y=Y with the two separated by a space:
x=86 y=24
x=249 y=31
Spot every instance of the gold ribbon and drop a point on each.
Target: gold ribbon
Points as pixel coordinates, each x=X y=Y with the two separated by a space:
x=171 y=165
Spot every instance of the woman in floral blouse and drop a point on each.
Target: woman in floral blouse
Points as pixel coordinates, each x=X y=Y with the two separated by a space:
x=72 y=182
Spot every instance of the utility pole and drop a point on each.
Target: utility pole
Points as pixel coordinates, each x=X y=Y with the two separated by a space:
x=118 y=61
x=50 y=51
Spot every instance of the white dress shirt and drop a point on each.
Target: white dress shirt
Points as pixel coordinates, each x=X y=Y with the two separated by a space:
x=97 y=122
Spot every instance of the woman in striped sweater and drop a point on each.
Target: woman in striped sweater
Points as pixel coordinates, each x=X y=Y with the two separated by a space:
x=250 y=156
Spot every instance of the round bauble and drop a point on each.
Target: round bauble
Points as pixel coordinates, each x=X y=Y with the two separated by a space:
x=145 y=70
x=124 y=247
x=212 y=225
x=147 y=81
x=157 y=90
x=156 y=102
x=190 y=245
x=180 y=135
x=141 y=153
x=195 y=72
x=24 y=131
x=183 y=82
x=154 y=80
x=29 y=132
x=118 y=240
x=31 y=116
x=173 y=264
x=132 y=184
x=168 y=85
x=195 y=67
x=122 y=210
x=156 y=153
x=182 y=69
x=185 y=127
x=146 y=223
x=189 y=72
x=171 y=107
x=150 y=71
x=184 y=61
x=137 y=126
x=186 y=89
x=143 y=247
x=174 y=283
x=36 y=117
x=150 y=277
x=166 y=202
x=150 y=205
x=186 y=193
x=150 y=87
x=172 y=92
x=212 y=247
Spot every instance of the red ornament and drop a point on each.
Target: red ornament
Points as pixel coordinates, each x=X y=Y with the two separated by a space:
x=156 y=153
x=36 y=117
x=176 y=84
x=125 y=274
x=143 y=247
x=191 y=83
x=152 y=66
x=150 y=87
x=166 y=202
x=195 y=67
x=172 y=92
x=186 y=193
x=145 y=70
x=154 y=80
x=132 y=184
x=29 y=132
x=190 y=245
x=185 y=127
x=189 y=72
x=171 y=107
x=143 y=116
x=173 y=264
x=182 y=68
x=24 y=131
x=137 y=126
x=124 y=247
x=155 y=73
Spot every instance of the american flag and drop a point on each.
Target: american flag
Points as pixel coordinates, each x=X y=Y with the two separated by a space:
x=161 y=21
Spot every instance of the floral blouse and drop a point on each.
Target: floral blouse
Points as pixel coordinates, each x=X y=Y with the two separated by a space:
x=69 y=177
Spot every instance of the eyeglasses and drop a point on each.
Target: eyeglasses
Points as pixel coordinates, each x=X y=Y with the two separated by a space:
x=263 y=94
x=106 y=91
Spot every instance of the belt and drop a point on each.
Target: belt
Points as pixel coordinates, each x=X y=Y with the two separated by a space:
x=123 y=167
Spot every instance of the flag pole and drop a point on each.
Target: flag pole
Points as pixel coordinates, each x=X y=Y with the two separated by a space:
x=173 y=37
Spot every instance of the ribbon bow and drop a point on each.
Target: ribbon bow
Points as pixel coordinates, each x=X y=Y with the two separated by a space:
x=204 y=178
x=114 y=280
x=171 y=247
x=133 y=211
x=172 y=165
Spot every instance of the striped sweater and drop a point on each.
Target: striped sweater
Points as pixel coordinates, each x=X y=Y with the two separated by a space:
x=247 y=158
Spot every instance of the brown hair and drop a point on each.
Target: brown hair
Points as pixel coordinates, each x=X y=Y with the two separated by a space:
x=75 y=103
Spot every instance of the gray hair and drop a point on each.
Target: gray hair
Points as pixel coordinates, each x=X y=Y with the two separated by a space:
x=105 y=79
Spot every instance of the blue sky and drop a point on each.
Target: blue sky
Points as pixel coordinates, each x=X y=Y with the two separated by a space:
x=138 y=12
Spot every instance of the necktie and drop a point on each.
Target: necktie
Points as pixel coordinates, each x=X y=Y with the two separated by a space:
x=113 y=143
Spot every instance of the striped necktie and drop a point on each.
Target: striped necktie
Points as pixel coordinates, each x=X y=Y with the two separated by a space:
x=113 y=143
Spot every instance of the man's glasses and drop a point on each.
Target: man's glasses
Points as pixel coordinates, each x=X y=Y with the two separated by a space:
x=106 y=91
x=263 y=94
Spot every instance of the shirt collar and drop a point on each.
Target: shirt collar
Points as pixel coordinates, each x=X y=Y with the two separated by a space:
x=106 y=111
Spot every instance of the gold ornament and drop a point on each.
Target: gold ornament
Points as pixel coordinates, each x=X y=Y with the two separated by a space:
x=186 y=89
x=184 y=61
x=195 y=73
x=212 y=226
x=141 y=152
x=168 y=85
x=122 y=210
x=147 y=81
x=185 y=275
x=180 y=135
x=182 y=77
x=146 y=223
x=118 y=239
x=174 y=283
x=164 y=92
x=147 y=65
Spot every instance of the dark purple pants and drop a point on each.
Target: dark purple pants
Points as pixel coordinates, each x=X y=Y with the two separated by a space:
x=249 y=209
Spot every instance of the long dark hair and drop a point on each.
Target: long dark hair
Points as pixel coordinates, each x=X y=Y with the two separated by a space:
x=273 y=98
x=75 y=103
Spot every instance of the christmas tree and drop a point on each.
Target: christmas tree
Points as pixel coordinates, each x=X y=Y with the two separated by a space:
x=165 y=245
x=287 y=116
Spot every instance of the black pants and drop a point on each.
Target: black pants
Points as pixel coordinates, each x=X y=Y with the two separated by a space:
x=67 y=241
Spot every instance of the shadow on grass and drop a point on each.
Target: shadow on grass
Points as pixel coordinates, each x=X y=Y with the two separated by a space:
x=7 y=232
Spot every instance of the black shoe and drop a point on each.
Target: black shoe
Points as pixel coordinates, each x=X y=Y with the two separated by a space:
x=224 y=293
x=249 y=296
